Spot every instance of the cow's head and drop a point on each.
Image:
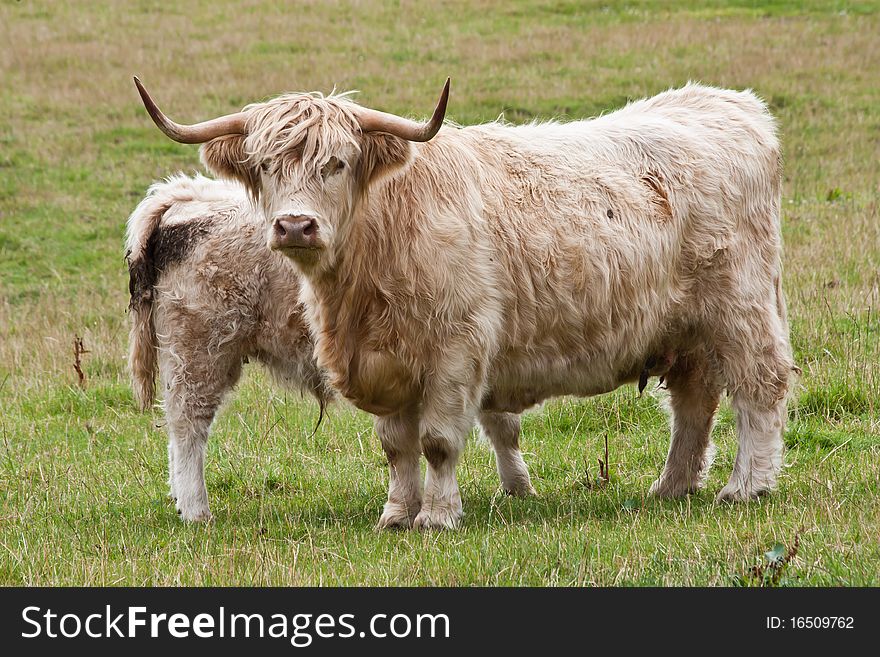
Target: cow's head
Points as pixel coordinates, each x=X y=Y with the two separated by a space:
x=306 y=159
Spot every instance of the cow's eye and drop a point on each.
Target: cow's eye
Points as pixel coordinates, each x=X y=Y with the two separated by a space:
x=264 y=167
x=334 y=165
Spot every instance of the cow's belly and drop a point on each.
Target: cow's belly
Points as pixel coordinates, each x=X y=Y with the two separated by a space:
x=516 y=389
x=517 y=385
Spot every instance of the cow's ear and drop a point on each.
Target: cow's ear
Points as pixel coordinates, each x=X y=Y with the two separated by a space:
x=384 y=155
x=225 y=157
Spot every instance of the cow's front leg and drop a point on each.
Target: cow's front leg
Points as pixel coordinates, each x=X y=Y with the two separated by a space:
x=399 y=435
x=441 y=507
x=447 y=418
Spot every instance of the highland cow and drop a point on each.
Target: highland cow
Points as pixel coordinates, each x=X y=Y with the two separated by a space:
x=452 y=272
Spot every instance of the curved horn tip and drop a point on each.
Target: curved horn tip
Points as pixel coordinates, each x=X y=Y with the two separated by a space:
x=444 y=95
x=434 y=125
x=198 y=133
x=139 y=84
x=148 y=102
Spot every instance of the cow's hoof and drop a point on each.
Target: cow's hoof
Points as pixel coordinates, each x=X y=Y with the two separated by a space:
x=670 y=490
x=520 y=490
x=740 y=492
x=395 y=517
x=437 y=518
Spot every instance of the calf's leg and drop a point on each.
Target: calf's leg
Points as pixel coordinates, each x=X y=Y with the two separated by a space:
x=193 y=393
x=188 y=428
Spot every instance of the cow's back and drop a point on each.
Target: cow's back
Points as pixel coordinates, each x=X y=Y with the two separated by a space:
x=611 y=233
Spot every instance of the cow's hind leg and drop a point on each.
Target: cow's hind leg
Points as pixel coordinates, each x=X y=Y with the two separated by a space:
x=758 y=366
x=399 y=435
x=192 y=396
x=502 y=430
x=694 y=391
x=759 y=456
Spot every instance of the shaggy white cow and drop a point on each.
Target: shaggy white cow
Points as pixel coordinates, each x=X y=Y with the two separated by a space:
x=489 y=267
x=206 y=296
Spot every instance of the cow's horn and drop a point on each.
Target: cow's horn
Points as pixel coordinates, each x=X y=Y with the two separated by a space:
x=375 y=121
x=199 y=133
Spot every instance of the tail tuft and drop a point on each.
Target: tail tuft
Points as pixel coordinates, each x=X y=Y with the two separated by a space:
x=142 y=355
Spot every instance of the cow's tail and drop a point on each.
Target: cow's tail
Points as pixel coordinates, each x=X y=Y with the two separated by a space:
x=782 y=310
x=140 y=256
x=781 y=307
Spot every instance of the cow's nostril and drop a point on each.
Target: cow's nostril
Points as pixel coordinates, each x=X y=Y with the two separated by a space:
x=294 y=232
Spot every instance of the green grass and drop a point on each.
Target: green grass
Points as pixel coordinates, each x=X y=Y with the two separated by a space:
x=82 y=492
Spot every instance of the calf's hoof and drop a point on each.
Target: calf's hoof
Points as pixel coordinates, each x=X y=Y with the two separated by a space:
x=520 y=490
x=194 y=514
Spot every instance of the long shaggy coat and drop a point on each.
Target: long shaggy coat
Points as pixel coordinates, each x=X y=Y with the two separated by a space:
x=496 y=266
x=207 y=296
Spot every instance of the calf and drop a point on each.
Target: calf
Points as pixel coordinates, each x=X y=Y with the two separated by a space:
x=207 y=296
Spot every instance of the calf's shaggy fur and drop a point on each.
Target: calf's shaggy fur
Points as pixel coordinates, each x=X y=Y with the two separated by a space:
x=206 y=296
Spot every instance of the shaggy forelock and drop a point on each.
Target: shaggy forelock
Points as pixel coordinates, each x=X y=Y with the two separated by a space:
x=301 y=130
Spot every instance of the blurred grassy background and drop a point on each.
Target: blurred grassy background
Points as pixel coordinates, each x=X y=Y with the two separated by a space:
x=82 y=476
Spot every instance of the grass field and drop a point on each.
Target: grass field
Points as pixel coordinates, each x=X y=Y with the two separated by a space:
x=82 y=473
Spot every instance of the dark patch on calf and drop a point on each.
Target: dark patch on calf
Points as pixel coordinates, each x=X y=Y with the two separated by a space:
x=174 y=243
x=166 y=246
x=140 y=280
